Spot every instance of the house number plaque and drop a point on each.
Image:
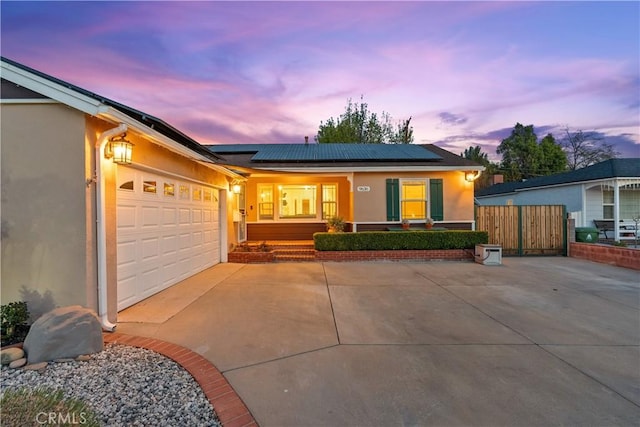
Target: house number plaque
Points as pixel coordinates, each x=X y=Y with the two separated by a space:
x=362 y=188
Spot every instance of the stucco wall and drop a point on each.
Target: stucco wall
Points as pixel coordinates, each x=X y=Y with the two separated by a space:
x=44 y=235
x=147 y=154
x=370 y=206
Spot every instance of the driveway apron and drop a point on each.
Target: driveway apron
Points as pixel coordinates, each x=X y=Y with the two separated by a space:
x=535 y=341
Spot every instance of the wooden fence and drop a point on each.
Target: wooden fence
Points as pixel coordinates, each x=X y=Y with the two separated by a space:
x=525 y=230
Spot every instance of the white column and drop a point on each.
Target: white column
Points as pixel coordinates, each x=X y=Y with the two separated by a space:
x=616 y=210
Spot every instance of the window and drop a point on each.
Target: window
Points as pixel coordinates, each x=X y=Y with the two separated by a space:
x=207 y=195
x=413 y=200
x=629 y=203
x=607 y=204
x=265 y=201
x=329 y=200
x=169 y=189
x=184 y=191
x=149 y=186
x=297 y=201
x=395 y=193
x=197 y=194
x=128 y=185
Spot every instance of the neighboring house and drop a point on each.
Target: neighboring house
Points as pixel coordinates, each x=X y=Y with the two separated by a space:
x=292 y=189
x=78 y=228
x=609 y=190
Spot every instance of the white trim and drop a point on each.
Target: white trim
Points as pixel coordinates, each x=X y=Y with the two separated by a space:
x=344 y=169
x=89 y=105
x=50 y=89
x=29 y=101
x=146 y=168
x=111 y=114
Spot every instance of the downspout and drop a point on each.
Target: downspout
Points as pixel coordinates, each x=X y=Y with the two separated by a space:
x=102 y=141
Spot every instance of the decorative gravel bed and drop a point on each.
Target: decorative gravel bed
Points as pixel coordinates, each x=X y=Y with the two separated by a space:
x=125 y=386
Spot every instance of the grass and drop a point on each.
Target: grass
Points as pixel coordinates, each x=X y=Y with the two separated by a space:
x=43 y=406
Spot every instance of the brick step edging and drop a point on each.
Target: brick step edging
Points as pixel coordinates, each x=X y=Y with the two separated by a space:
x=230 y=409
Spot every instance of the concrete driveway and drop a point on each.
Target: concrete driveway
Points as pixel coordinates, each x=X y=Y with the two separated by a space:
x=536 y=341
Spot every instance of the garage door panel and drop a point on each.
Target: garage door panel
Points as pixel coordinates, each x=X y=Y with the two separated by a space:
x=163 y=235
x=150 y=216
x=150 y=248
x=169 y=245
x=126 y=217
x=184 y=217
x=169 y=216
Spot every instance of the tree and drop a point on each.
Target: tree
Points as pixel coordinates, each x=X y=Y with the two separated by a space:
x=554 y=159
x=585 y=149
x=523 y=157
x=358 y=125
x=477 y=155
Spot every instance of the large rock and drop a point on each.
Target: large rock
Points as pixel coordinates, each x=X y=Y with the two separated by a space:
x=63 y=332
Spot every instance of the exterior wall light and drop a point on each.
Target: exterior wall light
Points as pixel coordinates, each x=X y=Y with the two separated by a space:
x=471 y=176
x=237 y=189
x=119 y=150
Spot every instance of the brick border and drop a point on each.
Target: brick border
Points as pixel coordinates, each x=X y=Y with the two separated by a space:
x=606 y=254
x=230 y=409
x=398 y=255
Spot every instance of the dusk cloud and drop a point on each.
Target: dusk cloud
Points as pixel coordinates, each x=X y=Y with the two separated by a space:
x=236 y=72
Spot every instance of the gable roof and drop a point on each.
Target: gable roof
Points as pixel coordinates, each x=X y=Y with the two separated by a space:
x=612 y=168
x=294 y=156
x=149 y=121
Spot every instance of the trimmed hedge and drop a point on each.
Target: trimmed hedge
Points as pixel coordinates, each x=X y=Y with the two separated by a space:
x=399 y=240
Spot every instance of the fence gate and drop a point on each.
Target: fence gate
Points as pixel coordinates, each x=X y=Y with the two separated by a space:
x=525 y=230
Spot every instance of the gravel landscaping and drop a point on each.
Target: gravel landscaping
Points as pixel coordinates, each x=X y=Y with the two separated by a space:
x=125 y=386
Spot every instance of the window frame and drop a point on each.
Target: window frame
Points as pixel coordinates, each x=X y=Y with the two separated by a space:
x=426 y=201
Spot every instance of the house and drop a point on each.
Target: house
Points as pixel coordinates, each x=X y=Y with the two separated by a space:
x=79 y=228
x=608 y=191
x=292 y=189
x=104 y=205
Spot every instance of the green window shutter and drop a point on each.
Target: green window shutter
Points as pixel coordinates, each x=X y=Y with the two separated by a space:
x=393 y=199
x=437 y=205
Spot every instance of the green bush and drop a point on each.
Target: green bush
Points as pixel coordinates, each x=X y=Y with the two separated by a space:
x=398 y=240
x=12 y=316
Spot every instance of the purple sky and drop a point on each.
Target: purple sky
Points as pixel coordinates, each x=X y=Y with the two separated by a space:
x=253 y=72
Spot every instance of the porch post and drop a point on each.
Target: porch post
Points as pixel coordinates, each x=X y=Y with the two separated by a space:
x=616 y=210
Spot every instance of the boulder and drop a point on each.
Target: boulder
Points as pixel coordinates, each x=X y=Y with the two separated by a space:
x=8 y=355
x=63 y=332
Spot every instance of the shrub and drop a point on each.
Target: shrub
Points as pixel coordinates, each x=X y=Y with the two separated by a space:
x=25 y=407
x=399 y=240
x=12 y=316
x=336 y=224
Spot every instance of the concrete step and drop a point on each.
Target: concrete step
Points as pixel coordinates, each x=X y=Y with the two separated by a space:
x=294 y=251
x=294 y=257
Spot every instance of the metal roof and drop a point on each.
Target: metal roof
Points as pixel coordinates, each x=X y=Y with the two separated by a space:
x=330 y=152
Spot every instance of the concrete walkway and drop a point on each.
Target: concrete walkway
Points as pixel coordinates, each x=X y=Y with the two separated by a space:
x=536 y=341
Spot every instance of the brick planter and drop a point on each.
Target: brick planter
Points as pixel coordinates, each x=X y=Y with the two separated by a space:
x=606 y=254
x=251 y=257
x=397 y=255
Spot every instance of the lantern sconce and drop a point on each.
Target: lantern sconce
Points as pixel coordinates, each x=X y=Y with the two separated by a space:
x=119 y=150
x=237 y=189
x=471 y=176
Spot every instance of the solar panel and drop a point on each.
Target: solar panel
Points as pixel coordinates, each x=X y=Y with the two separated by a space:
x=342 y=152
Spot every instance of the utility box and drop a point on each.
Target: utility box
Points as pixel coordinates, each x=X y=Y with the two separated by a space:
x=489 y=254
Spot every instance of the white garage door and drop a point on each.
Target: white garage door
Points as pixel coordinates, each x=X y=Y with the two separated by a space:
x=168 y=230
